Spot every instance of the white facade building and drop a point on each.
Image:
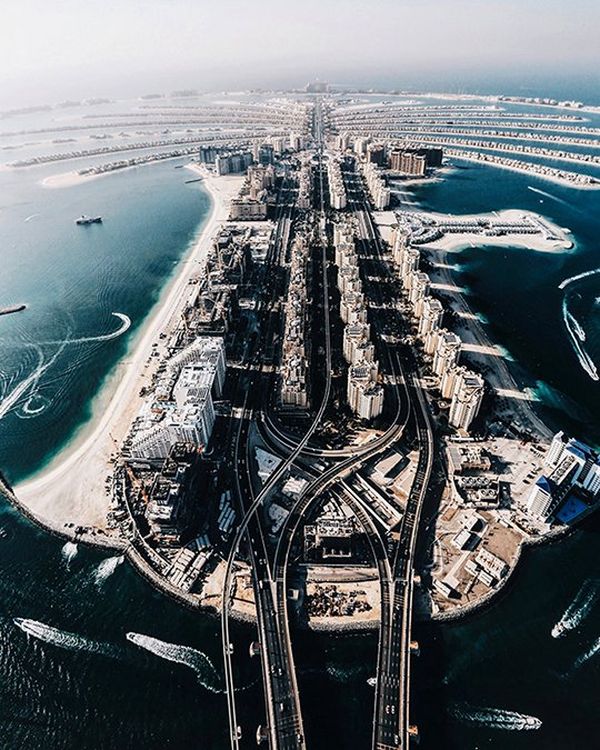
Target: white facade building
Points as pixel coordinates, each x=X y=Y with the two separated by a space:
x=466 y=400
x=431 y=316
x=181 y=408
x=447 y=352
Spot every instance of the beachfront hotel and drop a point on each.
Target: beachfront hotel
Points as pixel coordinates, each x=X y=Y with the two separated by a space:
x=181 y=409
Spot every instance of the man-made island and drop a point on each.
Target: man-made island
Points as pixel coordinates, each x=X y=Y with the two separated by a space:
x=314 y=427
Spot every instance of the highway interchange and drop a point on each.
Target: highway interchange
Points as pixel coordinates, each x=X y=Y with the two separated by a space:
x=393 y=553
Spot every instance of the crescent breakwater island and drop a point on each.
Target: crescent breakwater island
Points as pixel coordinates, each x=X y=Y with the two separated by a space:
x=314 y=429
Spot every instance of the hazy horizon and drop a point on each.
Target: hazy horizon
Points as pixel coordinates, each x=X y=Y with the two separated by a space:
x=63 y=49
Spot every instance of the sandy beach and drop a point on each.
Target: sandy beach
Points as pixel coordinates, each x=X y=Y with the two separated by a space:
x=67 y=179
x=73 y=178
x=455 y=242
x=465 y=156
x=72 y=490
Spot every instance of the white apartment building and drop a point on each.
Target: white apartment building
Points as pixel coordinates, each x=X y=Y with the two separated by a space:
x=466 y=400
x=447 y=352
x=431 y=316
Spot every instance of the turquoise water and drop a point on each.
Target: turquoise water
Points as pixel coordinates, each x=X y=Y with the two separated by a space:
x=73 y=279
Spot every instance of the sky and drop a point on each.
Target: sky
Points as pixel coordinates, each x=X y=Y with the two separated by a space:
x=56 y=49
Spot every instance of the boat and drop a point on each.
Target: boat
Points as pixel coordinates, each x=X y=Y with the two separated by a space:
x=12 y=309
x=83 y=220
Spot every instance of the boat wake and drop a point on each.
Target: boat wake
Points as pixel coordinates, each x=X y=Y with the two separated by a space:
x=579 y=332
x=494 y=718
x=548 y=195
x=581 y=660
x=28 y=384
x=125 y=325
x=25 y=392
x=64 y=639
x=69 y=551
x=574 y=329
x=29 y=218
x=190 y=657
x=565 y=283
x=34 y=405
x=106 y=568
x=578 y=610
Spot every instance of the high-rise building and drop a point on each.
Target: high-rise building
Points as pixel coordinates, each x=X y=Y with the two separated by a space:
x=345 y=275
x=207 y=154
x=376 y=154
x=410 y=263
x=360 y=146
x=431 y=316
x=266 y=154
x=353 y=336
x=572 y=469
x=409 y=162
x=337 y=191
x=447 y=352
x=365 y=395
x=295 y=142
x=342 y=142
x=232 y=163
x=378 y=190
x=181 y=409
x=466 y=401
x=556 y=449
x=419 y=288
x=399 y=244
x=316 y=87
x=540 y=498
x=415 y=161
x=431 y=340
x=350 y=302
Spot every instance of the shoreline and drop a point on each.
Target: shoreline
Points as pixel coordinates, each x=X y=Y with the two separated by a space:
x=455 y=242
x=521 y=170
x=70 y=488
x=495 y=595
x=71 y=460
x=72 y=178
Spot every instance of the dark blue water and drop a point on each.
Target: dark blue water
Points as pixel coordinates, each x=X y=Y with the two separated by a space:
x=517 y=289
x=122 y=696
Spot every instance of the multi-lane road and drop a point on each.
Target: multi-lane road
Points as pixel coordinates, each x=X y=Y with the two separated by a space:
x=393 y=555
x=284 y=719
x=391 y=716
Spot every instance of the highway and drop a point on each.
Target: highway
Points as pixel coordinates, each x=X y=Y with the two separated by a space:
x=354 y=459
x=393 y=555
x=251 y=529
x=279 y=681
x=391 y=719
